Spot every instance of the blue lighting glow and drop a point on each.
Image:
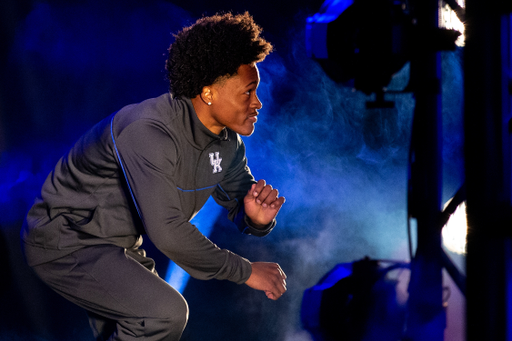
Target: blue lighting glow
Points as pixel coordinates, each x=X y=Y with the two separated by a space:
x=204 y=221
x=342 y=168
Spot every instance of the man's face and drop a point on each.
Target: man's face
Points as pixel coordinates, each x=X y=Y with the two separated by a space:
x=235 y=104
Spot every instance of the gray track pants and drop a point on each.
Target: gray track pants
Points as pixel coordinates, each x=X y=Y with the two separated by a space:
x=124 y=297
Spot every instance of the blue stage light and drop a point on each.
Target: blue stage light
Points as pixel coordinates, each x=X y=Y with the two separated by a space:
x=355 y=301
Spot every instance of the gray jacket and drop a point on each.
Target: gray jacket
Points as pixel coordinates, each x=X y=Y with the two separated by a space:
x=170 y=165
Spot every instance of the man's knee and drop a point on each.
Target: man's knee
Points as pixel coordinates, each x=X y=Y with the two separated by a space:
x=167 y=329
x=173 y=308
x=179 y=313
x=168 y=325
x=155 y=328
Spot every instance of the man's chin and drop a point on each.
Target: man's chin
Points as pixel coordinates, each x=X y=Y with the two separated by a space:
x=246 y=131
x=247 y=134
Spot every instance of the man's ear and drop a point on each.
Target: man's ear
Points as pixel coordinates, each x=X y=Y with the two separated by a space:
x=206 y=95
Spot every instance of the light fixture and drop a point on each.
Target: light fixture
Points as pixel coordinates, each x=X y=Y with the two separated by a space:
x=359 y=41
x=355 y=301
x=363 y=43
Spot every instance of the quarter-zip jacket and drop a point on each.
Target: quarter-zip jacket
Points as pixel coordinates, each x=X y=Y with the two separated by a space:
x=157 y=158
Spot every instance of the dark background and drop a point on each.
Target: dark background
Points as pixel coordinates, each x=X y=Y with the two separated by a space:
x=64 y=65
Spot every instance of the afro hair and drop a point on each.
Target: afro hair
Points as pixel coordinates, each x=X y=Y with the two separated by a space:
x=211 y=48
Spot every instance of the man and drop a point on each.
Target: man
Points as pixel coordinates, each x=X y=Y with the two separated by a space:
x=148 y=169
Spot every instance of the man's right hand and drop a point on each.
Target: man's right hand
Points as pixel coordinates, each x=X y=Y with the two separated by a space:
x=268 y=277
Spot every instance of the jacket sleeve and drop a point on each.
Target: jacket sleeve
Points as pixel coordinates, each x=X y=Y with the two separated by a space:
x=231 y=191
x=149 y=154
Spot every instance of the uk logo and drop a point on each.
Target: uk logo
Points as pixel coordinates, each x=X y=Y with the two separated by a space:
x=215 y=161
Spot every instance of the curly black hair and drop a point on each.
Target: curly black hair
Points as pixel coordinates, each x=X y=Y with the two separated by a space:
x=211 y=48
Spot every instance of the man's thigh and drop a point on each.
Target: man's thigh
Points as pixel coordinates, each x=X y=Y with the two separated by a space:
x=106 y=281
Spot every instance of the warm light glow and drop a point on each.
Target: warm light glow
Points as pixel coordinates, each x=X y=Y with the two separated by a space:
x=455 y=230
x=448 y=19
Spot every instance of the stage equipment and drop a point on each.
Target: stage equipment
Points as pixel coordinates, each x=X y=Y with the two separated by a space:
x=366 y=42
x=355 y=301
x=363 y=43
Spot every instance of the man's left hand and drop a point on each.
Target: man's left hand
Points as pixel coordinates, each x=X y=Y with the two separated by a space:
x=262 y=203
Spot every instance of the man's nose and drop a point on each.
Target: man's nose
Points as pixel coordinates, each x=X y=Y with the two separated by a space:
x=257 y=103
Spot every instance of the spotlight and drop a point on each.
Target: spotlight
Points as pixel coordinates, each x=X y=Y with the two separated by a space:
x=455 y=231
x=363 y=43
x=452 y=16
x=354 y=301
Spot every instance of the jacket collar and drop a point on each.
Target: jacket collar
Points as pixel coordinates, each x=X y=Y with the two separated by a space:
x=198 y=135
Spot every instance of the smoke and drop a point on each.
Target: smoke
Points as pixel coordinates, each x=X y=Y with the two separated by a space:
x=329 y=156
x=342 y=167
